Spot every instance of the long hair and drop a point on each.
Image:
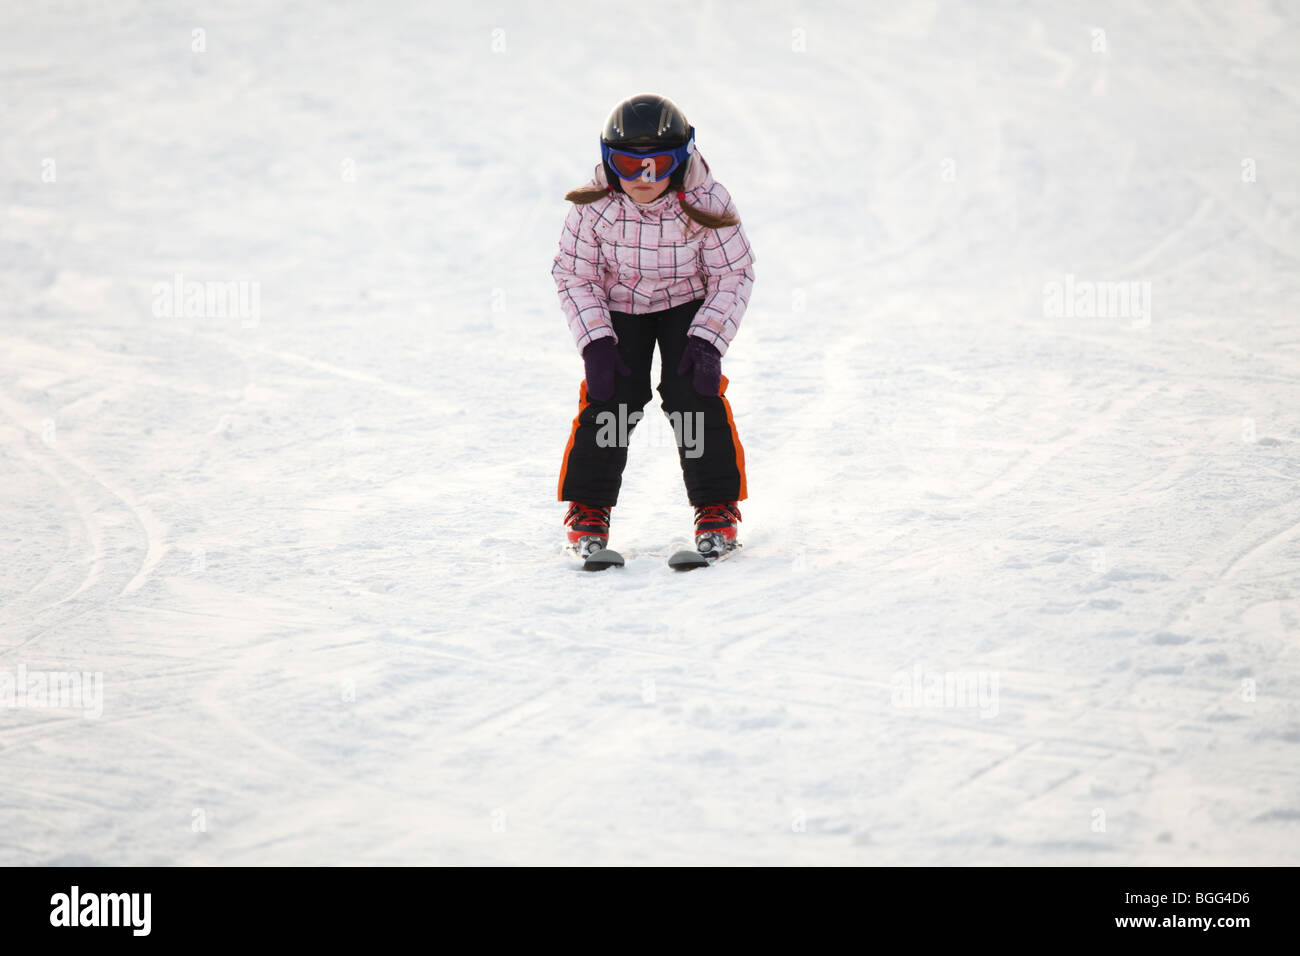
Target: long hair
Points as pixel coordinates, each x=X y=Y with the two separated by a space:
x=589 y=194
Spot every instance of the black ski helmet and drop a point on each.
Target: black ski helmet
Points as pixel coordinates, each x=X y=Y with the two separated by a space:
x=647 y=120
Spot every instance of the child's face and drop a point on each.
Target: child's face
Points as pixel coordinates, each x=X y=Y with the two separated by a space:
x=642 y=191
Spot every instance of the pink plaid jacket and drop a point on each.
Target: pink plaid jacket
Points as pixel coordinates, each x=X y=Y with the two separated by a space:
x=619 y=254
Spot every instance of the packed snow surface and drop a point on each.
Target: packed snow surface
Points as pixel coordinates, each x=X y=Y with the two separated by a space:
x=1019 y=389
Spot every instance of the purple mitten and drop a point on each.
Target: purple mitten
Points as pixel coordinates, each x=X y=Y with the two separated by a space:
x=601 y=360
x=706 y=362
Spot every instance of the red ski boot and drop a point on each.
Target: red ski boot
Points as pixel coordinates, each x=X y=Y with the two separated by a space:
x=588 y=529
x=715 y=528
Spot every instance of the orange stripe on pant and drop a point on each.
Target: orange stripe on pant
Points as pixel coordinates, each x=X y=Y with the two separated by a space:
x=735 y=439
x=573 y=434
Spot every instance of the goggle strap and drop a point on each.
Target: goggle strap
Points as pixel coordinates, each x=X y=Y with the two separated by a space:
x=679 y=155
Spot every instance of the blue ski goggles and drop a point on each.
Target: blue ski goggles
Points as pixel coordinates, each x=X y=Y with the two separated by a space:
x=649 y=165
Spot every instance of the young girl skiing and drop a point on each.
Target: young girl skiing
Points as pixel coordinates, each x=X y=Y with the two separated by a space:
x=652 y=252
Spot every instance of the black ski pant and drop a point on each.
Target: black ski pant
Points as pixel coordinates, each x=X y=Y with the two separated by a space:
x=713 y=461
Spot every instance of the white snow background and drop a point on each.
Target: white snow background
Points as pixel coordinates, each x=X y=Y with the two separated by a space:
x=316 y=557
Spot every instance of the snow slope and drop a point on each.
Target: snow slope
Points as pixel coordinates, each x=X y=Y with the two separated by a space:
x=314 y=553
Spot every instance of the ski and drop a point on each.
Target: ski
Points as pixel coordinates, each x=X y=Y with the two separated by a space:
x=687 y=560
x=602 y=559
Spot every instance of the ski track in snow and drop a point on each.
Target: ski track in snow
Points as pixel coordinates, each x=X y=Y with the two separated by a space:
x=317 y=560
